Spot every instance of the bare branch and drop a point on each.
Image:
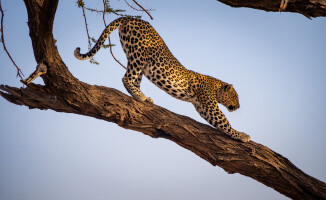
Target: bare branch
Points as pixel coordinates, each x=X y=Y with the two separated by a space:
x=100 y=11
x=110 y=10
x=143 y=9
x=86 y=25
x=110 y=46
x=82 y=5
x=104 y=9
x=136 y=8
x=19 y=71
x=113 y=54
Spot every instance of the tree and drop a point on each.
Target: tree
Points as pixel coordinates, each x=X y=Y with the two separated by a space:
x=64 y=93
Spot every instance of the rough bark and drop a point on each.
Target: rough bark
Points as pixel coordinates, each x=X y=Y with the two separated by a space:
x=309 y=8
x=64 y=93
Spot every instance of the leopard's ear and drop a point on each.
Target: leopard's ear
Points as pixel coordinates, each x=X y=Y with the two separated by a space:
x=227 y=87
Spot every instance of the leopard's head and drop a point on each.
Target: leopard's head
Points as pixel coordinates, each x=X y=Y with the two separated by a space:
x=229 y=97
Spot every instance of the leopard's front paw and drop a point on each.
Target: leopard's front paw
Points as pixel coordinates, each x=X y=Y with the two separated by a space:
x=243 y=137
x=143 y=98
x=239 y=136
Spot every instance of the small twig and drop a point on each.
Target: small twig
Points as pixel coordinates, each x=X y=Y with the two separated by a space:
x=111 y=10
x=114 y=56
x=104 y=9
x=19 y=71
x=135 y=8
x=89 y=38
x=82 y=5
x=99 y=11
x=143 y=9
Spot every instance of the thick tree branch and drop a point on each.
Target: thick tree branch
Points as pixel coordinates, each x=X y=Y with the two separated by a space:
x=64 y=93
x=309 y=8
x=250 y=159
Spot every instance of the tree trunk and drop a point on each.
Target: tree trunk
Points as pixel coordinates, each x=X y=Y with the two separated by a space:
x=64 y=93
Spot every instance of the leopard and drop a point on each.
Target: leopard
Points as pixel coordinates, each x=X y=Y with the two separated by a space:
x=148 y=55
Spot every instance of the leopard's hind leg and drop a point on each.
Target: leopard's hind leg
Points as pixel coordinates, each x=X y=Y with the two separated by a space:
x=133 y=77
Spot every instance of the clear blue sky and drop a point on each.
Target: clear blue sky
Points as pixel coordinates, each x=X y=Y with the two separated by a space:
x=276 y=62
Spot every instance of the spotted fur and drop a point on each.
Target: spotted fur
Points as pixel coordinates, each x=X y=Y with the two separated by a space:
x=148 y=55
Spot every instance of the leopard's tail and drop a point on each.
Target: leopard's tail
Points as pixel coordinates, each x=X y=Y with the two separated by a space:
x=109 y=29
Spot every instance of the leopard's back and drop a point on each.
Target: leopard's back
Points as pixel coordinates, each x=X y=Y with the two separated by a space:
x=145 y=49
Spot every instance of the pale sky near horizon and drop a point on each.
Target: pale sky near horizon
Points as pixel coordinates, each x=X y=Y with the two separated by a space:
x=276 y=62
